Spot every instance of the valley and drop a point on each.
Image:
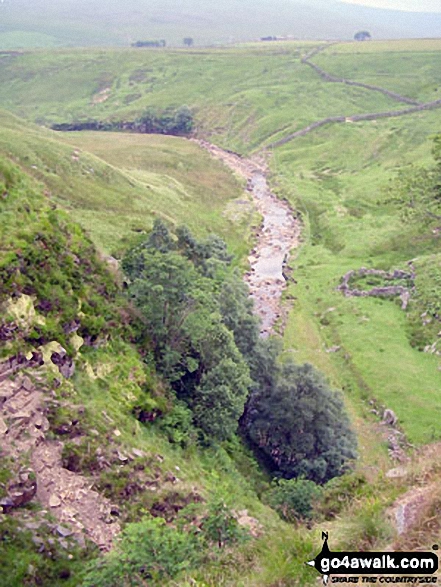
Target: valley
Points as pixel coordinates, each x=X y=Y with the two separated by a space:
x=298 y=211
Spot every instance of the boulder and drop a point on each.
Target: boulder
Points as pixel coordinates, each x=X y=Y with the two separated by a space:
x=21 y=491
x=389 y=417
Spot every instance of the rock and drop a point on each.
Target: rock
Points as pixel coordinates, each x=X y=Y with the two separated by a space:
x=20 y=492
x=251 y=524
x=63 y=531
x=122 y=457
x=397 y=473
x=54 y=501
x=22 y=416
x=333 y=349
x=3 y=427
x=389 y=417
x=39 y=543
x=27 y=384
x=67 y=369
x=138 y=453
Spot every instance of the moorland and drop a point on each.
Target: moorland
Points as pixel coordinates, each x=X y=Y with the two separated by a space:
x=366 y=192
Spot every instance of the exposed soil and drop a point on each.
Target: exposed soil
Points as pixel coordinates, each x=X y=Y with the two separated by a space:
x=23 y=436
x=278 y=236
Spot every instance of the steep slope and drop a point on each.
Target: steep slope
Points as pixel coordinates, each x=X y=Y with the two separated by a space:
x=77 y=461
x=118 y=191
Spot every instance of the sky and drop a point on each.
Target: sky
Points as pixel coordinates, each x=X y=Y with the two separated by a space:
x=406 y=5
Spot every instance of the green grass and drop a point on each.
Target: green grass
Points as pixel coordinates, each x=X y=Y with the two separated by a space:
x=104 y=22
x=338 y=178
x=410 y=68
x=242 y=97
x=116 y=192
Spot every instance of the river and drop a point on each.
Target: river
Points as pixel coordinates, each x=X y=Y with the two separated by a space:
x=278 y=236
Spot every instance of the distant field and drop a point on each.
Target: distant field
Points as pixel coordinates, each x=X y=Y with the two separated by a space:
x=118 y=191
x=242 y=97
x=112 y=23
x=389 y=46
x=411 y=68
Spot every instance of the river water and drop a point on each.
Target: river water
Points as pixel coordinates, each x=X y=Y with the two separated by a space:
x=277 y=237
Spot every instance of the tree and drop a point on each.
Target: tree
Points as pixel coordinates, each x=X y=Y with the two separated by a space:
x=362 y=36
x=219 y=400
x=188 y=42
x=299 y=425
x=176 y=285
x=183 y=120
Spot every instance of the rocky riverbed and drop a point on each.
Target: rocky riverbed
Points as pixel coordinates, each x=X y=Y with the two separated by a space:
x=277 y=237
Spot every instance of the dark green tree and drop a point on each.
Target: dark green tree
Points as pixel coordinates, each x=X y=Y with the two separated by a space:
x=188 y=42
x=237 y=314
x=362 y=36
x=176 y=284
x=300 y=425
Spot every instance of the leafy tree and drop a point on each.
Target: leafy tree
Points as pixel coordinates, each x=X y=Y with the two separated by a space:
x=237 y=314
x=220 y=526
x=300 y=425
x=162 y=290
x=362 y=36
x=188 y=42
x=176 y=285
x=219 y=400
x=183 y=120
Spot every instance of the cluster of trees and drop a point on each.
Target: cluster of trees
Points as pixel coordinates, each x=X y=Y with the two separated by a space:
x=362 y=36
x=178 y=122
x=205 y=341
x=160 y=43
x=172 y=122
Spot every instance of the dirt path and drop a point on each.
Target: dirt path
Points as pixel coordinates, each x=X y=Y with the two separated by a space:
x=279 y=234
x=68 y=496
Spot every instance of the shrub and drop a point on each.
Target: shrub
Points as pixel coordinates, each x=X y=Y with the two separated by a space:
x=220 y=526
x=294 y=499
x=149 y=553
x=178 y=425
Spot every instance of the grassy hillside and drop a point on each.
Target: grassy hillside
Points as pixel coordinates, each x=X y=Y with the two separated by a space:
x=341 y=179
x=407 y=67
x=116 y=192
x=89 y=416
x=242 y=98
